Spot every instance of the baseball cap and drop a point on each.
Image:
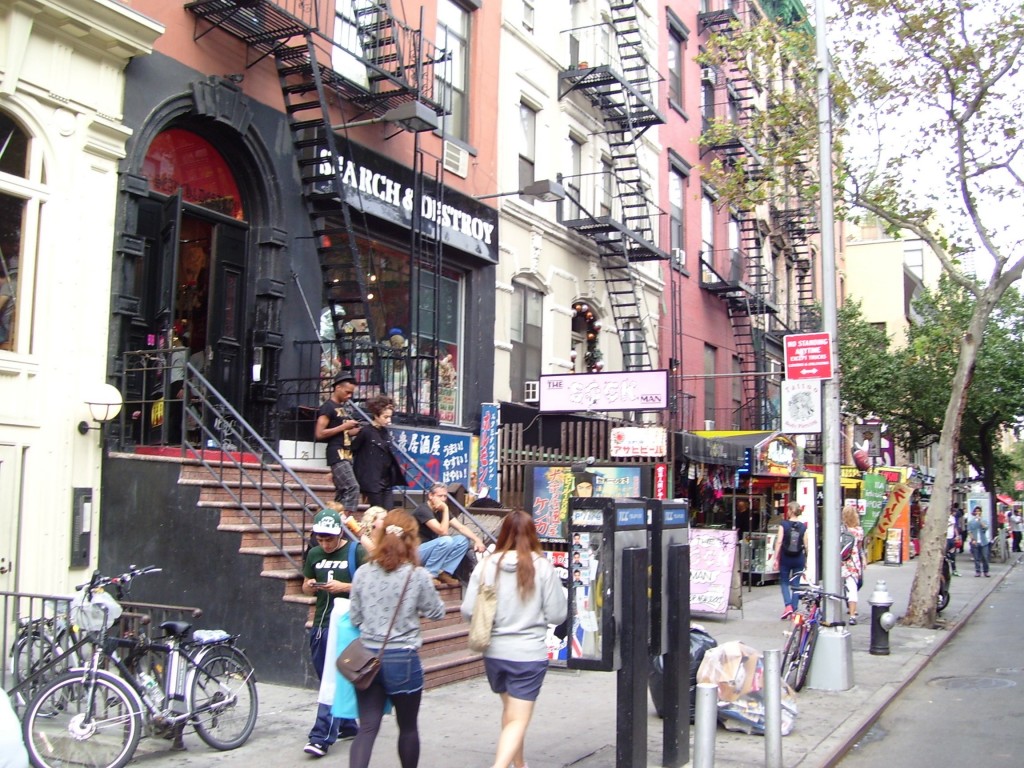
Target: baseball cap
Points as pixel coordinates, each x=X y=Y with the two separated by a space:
x=327 y=522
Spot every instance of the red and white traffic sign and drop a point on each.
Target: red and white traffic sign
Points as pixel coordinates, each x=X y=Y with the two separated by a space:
x=808 y=356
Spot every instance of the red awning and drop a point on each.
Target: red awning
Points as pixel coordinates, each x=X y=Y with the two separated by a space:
x=1005 y=499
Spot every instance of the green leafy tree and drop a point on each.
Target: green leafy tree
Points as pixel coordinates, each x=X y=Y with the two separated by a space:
x=938 y=86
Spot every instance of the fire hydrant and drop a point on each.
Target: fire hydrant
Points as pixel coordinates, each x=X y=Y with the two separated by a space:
x=882 y=620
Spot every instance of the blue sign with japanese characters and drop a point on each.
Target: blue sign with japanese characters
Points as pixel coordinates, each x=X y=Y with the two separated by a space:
x=443 y=456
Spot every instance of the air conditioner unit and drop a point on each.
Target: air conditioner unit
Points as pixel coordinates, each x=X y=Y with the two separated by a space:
x=456 y=159
x=709 y=75
x=678 y=257
x=709 y=424
x=531 y=392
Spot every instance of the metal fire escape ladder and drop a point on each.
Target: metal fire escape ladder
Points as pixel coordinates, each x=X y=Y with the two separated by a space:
x=321 y=168
x=624 y=97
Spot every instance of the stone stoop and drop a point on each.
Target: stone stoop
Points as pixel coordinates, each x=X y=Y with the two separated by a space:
x=445 y=652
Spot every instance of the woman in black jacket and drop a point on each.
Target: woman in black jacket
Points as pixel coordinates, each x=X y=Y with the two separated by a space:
x=377 y=470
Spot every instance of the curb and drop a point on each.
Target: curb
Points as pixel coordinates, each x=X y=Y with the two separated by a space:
x=867 y=721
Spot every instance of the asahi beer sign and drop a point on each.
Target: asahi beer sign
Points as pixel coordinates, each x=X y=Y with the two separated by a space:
x=625 y=391
x=638 y=441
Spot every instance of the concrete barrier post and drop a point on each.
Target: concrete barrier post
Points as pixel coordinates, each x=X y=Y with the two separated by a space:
x=772 y=709
x=705 y=726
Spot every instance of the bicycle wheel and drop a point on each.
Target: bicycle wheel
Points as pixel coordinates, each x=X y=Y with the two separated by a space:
x=804 y=662
x=31 y=653
x=223 y=698
x=790 y=654
x=81 y=720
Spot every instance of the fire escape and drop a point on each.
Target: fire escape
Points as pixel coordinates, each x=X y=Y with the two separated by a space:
x=394 y=68
x=622 y=92
x=738 y=274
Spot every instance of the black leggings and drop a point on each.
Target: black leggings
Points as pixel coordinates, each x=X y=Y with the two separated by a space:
x=371 y=711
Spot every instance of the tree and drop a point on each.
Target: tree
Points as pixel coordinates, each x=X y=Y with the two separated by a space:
x=908 y=388
x=938 y=84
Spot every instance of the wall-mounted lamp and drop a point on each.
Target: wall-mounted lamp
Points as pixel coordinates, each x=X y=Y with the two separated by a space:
x=412 y=116
x=545 y=190
x=104 y=403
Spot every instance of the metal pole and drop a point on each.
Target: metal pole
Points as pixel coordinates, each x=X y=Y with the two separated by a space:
x=675 y=747
x=705 y=725
x=830 y=512
x=772 y=709
x=631 y=679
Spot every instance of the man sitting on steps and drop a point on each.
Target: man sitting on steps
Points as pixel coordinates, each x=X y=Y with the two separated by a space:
x=444 y=541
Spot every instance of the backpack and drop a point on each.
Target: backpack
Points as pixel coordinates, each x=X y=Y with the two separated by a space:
x=847 y=544
x=793 y=539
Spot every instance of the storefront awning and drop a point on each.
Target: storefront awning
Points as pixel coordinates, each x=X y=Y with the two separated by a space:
x=1005 y=499
x=709 y=450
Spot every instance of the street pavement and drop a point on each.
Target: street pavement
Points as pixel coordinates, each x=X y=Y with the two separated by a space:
x=575 y=718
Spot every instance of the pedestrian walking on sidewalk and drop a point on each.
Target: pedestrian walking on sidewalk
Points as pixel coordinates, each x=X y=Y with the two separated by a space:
x=1016 y=527
x=327 y=573
x=852 y=566
x=791 y=555
x=952 y=534
x=530 y=597
x=977 y=532
x=390 y=594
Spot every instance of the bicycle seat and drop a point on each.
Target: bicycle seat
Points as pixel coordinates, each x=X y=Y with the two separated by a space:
x=176 y=628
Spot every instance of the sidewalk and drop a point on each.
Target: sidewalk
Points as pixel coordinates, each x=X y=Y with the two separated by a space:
x=574 y=722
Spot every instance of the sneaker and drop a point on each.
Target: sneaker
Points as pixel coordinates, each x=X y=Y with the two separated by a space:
x=347 y=734
x=447 y=579
x=316 y=749
x=987 y=576
x=786 y=613
x=852 y=621
x=977 y=575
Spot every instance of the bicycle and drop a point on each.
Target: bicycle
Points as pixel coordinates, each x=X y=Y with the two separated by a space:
x=95 y=715
x=999 y=550
x=799 y=650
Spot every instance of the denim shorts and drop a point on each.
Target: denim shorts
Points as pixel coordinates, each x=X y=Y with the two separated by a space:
x=401 y=671
x=519 y=679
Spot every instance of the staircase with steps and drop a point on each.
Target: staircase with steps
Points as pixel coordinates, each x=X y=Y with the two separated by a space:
x=445 y=653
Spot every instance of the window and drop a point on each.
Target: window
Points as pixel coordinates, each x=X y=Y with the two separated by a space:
x=527 y=144
x=572 y=182
x=735 y=255
x=21 y=176
x=913 y=258
x=674 y=65
x=710 y=382
x=529 y=13
x=527 y=315
x=607 y=184
x=677 y=216
x=676 y=59
x=707 y=228
x=737 y=393
x=452 y=77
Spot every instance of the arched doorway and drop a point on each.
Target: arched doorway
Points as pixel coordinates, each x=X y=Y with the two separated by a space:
x=198 y=261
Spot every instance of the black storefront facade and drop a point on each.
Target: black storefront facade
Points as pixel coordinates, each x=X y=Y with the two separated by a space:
x=216 y=254
x=216 y=261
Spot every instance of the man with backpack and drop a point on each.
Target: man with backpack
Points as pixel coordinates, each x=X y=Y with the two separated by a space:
x=791 y=555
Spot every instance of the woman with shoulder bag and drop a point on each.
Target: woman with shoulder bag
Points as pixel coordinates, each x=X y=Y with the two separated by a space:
x=852 y=567
x=389 y=595
x=529 y=598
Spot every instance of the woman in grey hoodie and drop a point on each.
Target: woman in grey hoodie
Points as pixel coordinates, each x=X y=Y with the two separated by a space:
x=530 y=597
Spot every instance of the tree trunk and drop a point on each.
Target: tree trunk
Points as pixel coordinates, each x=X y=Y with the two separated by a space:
x=921 y=611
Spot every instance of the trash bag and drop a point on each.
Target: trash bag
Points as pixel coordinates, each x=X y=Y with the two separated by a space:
x=738 y=671
x=700 y=642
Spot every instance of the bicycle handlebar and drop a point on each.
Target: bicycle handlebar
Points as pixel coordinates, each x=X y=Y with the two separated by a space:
x=814 y=591
x=124 y=580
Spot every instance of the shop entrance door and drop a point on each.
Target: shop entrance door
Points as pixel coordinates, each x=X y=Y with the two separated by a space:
x=205 y=304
